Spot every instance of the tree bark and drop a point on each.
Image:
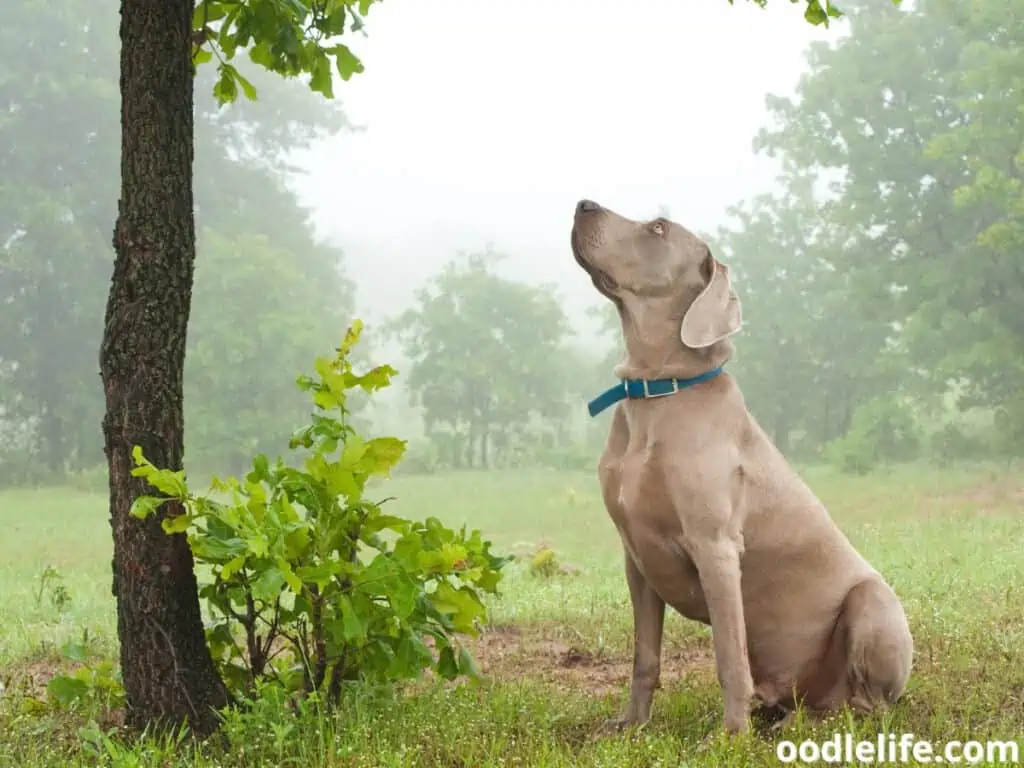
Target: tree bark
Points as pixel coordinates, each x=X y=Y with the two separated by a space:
x=169 y=677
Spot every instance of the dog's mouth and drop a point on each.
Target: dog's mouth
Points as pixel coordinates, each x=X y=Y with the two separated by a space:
x=602 y=280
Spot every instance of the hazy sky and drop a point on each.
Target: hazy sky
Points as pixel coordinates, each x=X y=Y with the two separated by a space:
x=486 y=120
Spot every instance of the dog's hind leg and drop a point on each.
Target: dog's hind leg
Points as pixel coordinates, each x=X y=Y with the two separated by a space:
x=879 y=645
x=873 y=641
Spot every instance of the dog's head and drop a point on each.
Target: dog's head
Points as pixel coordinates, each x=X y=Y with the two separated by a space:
x=637 y=262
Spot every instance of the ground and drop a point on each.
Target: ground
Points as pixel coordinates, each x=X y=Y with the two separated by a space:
x=556 y=659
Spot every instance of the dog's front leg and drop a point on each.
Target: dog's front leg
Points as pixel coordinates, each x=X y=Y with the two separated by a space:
x=648 y=624
x=718 y=565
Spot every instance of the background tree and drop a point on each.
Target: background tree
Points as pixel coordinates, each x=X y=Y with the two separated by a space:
x=486 y=359
x=808 y=354
x=912 y=120
x=58 y=173
x=259 y=313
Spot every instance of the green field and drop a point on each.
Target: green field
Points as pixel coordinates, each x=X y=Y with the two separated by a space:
x=557 y=658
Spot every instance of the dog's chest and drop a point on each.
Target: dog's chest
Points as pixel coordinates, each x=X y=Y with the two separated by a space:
x=634 y=490
x=637 y=500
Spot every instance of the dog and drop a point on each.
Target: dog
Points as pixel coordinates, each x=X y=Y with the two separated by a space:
x=713 y=520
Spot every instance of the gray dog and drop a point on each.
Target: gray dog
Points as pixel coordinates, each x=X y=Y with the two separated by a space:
x=713 y=520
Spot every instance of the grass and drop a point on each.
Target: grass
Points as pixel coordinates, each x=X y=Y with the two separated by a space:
x=557 y=660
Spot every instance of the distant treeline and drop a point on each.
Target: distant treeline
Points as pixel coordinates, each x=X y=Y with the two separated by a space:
x=882 y=284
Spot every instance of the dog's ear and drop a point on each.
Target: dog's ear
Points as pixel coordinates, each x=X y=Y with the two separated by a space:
x=715 y=314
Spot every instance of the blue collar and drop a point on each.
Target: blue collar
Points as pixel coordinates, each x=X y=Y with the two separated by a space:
x=644 y=389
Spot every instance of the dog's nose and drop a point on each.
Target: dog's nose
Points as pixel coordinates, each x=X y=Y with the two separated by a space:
x=587 y=206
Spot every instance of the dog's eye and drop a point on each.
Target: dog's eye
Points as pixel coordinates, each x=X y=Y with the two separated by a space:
x=658 y=227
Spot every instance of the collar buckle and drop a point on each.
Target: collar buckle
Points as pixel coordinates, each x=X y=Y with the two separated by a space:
x=648 y=394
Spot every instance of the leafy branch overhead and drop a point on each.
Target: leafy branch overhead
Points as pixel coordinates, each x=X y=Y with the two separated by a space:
x=301 y=37
x=817 y=12
x=287 y=37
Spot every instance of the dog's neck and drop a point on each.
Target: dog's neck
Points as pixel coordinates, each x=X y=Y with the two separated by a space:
x=654 y=349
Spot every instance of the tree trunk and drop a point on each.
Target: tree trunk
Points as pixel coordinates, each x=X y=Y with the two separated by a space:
x=169 y=677
x=470 y=447
x=455 y=446
x=52 y=429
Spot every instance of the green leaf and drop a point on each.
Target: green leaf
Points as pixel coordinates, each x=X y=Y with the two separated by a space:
x=326 y=400
x=352 y=455
x=66 y=691
x=377 y=378
x=411 y=656
x=201 y=56
x=353 y=628
x=166 y=481
x=290 y=578
x=207 y=11
x=144 y=506
x=262 y=55
x=247 y=88
x=447 y=666
x=378 y=522
x=74 y=652
x=382 y=453
x=260 y=468
x=269 y=585
x=231 y=567
x=351 y=337
x=225 y=90
x=462 y=605
x=346 y=62
x=177 y=524
x=402 y=597
x=815 y=14
x=320 y=574
x=377 y=575
x=320 y=75
x=467 y=664
x=258 y=545
x=138 y=458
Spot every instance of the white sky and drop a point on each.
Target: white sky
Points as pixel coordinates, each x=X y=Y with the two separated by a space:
x=486 y=120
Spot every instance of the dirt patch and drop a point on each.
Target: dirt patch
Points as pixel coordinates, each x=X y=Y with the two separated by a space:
x=503 y=654
x=511 y=653
x=984 y=500
x=30 y=676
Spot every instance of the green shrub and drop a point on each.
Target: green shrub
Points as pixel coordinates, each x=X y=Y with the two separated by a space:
x=90 y=685
x=952 y=443
x=1008 y=435
x=881 y=431
x=852 y=454
x=311 y=583
x=544 y=563
x=93 y=480
x=420 y=458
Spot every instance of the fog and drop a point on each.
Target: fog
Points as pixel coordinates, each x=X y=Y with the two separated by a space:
x=485 y=122
x=862 y=181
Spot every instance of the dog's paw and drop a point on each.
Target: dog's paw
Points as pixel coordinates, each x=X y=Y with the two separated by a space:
x=736 y=724
x=618 y=725
x=787 y=722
